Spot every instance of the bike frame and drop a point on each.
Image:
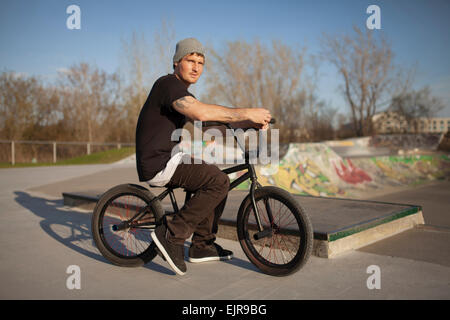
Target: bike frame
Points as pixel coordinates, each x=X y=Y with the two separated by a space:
x=250 y=174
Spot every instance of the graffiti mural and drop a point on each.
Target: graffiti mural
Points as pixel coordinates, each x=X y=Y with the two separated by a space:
x=414 y=169
x=305 y=179
x=350 y=173
x=315 y=169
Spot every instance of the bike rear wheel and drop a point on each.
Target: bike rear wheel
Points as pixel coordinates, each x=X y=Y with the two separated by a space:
x=286 y=242
x=126 y=245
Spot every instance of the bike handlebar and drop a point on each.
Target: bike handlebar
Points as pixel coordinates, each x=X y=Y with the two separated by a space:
x=218 y=123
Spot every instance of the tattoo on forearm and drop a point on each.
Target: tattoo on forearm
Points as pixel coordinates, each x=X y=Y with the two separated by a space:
x=183 y=103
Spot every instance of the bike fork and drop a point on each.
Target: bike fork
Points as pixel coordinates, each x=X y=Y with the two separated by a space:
x=262 y=232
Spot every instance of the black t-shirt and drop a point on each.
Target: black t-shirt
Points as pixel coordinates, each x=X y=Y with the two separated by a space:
x=156 y=123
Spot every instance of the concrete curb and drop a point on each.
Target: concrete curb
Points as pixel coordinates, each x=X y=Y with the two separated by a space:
x=331 y=249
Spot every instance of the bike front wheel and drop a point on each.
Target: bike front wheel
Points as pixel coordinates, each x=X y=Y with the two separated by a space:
x=124 y=243
x=286 y=242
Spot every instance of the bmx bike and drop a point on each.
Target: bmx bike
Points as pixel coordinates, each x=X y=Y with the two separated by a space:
x=273 y=229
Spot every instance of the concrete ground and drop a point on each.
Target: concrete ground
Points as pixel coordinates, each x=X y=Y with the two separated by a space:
x=40 y=239
x=429 y=242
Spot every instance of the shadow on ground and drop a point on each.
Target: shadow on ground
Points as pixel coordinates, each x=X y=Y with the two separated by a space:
x=73 y=229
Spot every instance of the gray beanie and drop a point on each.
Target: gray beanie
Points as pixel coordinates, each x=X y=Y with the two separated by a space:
x=187 y=46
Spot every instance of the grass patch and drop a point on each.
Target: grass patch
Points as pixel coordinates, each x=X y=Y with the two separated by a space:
x=103 y=157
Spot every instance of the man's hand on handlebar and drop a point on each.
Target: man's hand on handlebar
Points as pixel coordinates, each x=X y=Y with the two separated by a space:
x=260 y=117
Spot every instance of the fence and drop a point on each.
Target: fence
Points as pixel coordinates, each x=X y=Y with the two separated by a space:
x=50 y=151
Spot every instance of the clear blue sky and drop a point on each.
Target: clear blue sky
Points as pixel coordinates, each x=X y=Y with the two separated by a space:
x=35 y=40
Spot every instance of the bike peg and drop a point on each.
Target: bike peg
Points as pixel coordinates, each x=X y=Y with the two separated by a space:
x=263 y=234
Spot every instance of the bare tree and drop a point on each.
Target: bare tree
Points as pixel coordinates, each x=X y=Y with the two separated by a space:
x=141 y=65
x=136 y=72
x=164 y=47
x=365 y=65
x=24 y=103
x=14 y=109
x=243 y=74
x=86 y=103
x=87 y=93
x=414 y=105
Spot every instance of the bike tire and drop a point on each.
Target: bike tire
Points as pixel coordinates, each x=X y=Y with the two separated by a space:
x=291 y=234
x=117 y=246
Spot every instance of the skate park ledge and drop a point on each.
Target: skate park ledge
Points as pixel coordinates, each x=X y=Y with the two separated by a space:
x=329 y=245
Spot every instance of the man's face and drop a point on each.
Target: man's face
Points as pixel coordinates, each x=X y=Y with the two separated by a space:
x=190 y=68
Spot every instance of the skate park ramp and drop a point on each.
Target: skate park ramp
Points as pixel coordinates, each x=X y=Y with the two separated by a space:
x=315 y=169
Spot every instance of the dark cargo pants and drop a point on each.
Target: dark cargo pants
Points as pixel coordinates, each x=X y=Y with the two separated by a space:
x=200 y=215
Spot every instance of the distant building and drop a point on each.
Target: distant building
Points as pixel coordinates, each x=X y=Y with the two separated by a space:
x=392 y=122
x=434 y=125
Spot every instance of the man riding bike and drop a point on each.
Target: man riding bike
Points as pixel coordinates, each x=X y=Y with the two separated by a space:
x=168 y=107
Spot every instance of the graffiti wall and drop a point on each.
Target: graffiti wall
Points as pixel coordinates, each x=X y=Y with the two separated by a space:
x=315 y=169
